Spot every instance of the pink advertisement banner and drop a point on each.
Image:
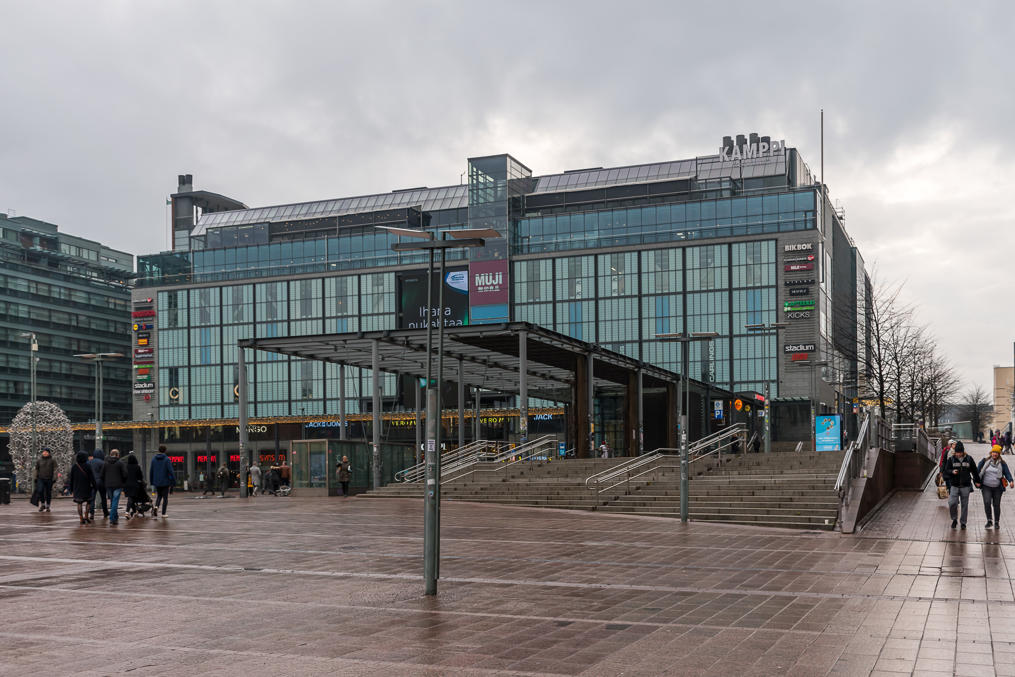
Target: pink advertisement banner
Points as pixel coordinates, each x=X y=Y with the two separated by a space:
x=488 y=283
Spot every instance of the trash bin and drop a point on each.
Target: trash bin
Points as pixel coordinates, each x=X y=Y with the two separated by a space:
x=5 y=490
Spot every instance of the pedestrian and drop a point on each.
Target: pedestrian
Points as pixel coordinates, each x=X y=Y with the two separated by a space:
x=255 y=479
x=82 y=485
x=162 y=477
x=273 y=480
x=945 y=453
x=45 y=473
x=133 y=484
x=114 y=476
x=994 y=478
x=284 y=473
x=1007 y=442
x=223 y=479
x=756 y=444
x=604 y=450
x=344 y=475
x=96 y=464
x=207 y=485
x=962 y=469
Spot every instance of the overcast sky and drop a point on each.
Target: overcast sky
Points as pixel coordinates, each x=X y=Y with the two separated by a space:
x=102 y=104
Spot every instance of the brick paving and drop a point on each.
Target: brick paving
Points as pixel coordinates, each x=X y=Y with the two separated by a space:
x=290 y=586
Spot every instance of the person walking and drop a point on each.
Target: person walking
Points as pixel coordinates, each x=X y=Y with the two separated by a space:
x=162 y=477
x=255 y=479
x=962 y=469
x=45 y=473
x=82 y=486
x=604 y=450
x=133 y=484
x=994 y=479
x=223 y=479
x=344 y=475
x=1007 y=442
x=945 y=453
x=96 y=463
x=114 y=476
x=207 y=487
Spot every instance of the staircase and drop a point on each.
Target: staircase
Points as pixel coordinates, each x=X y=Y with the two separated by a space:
x=777 y=490
x=794 y=490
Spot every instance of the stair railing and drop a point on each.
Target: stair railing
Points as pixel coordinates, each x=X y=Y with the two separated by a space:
x=417 y=472
x=853 y=460
x=495 y=462
x=716 y=442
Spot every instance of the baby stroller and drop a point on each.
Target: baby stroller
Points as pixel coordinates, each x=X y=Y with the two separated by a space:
x=141 y=502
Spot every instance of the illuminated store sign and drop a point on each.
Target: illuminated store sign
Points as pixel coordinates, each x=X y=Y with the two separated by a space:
x=797 y=267
x=802 y=247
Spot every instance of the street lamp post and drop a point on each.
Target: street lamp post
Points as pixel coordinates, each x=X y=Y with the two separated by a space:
x=33 y=348
x=682 y=404
x=813 y=396
x=98 y=359
x=776 y=327
x=432 y=458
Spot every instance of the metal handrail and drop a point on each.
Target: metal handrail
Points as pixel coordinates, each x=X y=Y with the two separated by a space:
x=502 y=459
x=627 y=466
x=417 y=472
x=723 y=440
x=851 y=461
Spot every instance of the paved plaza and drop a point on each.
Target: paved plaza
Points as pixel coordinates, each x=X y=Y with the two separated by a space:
x=290 y=586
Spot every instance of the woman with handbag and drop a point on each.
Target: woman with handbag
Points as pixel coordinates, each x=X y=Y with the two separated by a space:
x=994 y=477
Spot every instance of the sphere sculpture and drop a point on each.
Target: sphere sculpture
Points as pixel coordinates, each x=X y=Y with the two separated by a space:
x=52 y=431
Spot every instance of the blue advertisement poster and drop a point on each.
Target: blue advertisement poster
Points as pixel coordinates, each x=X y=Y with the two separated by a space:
x=828 y=432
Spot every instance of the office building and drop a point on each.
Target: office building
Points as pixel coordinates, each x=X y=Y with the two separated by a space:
x=73 y=294
x=613 y=256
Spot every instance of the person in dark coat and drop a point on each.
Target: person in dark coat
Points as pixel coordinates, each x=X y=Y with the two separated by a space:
x=114 y=476
x=96 y=464
x=81 y=484
x=223 y=478
x=133 y=485
x=344 y=475
x=162 y=477
x=45 y=473
x=965 y=475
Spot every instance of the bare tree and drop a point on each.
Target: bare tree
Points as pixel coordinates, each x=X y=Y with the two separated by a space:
x=976 y=406
x=886 y=318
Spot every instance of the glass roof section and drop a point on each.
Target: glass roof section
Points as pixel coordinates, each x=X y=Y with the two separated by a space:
x=430 y=199
x=457 y=197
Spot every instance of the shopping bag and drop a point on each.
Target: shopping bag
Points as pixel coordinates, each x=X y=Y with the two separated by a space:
x=942 y=492
x=34 y=500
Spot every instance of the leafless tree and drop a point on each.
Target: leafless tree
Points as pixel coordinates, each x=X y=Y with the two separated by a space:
x=976 y=406
x=887 y=316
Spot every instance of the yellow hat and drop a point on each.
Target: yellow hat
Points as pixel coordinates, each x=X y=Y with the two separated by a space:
x=996 y=447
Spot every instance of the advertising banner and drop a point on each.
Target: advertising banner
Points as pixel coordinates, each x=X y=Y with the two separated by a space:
x=412 y=310
x=828 y=432
x=489 y=282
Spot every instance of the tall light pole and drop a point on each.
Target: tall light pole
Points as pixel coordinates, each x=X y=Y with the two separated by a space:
x=33 y=348
x=98 y=359
x=683 y=340
x=431 y=500
x=814 y=394
x=769 y=327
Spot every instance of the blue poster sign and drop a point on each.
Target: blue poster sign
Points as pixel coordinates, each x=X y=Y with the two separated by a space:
x=828 y=432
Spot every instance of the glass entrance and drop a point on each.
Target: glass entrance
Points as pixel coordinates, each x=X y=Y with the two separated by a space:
x=310 y=464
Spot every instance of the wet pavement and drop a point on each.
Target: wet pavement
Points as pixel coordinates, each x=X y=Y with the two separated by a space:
x=290 y=586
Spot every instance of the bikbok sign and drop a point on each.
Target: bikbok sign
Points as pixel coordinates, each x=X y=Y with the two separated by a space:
x=749 y=151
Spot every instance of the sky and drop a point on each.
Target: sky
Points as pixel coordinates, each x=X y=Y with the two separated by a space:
x=103 y=103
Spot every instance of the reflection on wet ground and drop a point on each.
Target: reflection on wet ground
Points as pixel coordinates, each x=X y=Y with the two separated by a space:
x=326 y=586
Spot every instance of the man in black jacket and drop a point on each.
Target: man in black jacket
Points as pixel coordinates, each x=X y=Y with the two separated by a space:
x=114 y=476
x=961 y=468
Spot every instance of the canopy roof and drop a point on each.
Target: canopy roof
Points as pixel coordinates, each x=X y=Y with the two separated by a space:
x=489 y=354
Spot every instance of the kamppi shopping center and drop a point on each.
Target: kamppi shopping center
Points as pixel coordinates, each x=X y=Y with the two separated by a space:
x=561 y=322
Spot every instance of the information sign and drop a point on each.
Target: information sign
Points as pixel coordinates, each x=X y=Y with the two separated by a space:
x=828 y=432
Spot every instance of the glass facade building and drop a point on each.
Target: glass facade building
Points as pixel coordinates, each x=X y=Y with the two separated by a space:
x=611 y=256
x=74 y=295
